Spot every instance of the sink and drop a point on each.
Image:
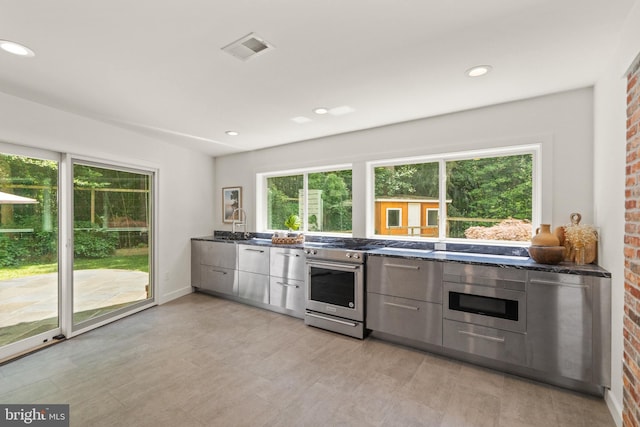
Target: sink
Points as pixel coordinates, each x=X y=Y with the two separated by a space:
x=476 y=255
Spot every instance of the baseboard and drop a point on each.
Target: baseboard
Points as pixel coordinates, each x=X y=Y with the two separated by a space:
x=175 y=295
x=615 y=407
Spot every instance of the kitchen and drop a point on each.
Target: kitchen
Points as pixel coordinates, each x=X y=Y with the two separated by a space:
x=581 y=130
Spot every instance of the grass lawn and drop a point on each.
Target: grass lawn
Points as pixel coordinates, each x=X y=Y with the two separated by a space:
x=128 y=262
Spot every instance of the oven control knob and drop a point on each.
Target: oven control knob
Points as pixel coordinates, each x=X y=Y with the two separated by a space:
x=348 y=255
x=356 y=256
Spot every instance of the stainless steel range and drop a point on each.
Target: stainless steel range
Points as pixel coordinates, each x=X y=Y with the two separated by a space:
x=335 y=289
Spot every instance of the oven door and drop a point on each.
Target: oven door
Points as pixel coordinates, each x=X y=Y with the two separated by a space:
x=335 y=288
x=482 y=305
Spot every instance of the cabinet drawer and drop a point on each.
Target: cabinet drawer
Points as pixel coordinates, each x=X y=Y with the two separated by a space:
x=496 y=344
x=287 y=294
x=254 y=259
x=218 y=279
x=406 y=278
x=216 y=253
x=287 y=262
x=254 y=287
x=416 y=320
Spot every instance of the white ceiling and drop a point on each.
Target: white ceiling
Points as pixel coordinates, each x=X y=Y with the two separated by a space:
x=155 y=66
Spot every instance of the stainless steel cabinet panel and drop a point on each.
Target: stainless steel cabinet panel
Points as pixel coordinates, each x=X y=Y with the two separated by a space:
x=560 y=324
x=287 y=294
x=406 y=278
x=416 y=320
x=507 y=278
x=218 y=279
x=196 y=256
x=218 y=254
x=493 y=343
x=254 y=259
x=287 y=262
x=253 y=286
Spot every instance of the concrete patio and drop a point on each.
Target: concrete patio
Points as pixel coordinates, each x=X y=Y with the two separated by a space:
x=34 y=298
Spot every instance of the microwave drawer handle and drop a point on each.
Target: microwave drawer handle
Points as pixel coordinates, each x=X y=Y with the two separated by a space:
x=408 y=307
x=406 y=267
x=485 y=337
x=254 y=250
x=342 y=322
x=550 y=283
x=288 y=285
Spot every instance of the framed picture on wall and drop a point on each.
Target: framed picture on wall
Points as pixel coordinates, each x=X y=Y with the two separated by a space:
x=231 y=200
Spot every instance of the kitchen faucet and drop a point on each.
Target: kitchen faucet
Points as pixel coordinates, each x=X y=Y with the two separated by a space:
x=239 y=221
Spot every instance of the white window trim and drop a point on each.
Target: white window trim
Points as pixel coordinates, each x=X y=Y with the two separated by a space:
x=427 y=210
x=534 y=149
x=261 y=199
x=399 y=218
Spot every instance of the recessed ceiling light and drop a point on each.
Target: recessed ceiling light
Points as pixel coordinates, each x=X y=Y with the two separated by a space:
x=478 y=70
x=16 y=48
x=321 y=110
x=232 y=133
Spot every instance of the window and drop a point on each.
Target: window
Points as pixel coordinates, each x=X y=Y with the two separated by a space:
x=321 y=198
x=394 y=217
x=486 y=195
x=432 y=217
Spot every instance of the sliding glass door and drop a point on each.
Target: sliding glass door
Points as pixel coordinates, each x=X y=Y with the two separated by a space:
x=112 y=235
x=29 y=284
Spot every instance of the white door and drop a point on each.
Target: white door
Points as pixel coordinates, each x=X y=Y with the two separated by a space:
x=413 y=222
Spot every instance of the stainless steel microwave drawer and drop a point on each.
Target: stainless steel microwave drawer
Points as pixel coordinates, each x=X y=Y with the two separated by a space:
x=416 y=320
x=405 y=278
x=496 y=344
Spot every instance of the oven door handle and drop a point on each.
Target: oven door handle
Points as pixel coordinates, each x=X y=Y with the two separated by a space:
x=331 y=265
x=342 y=322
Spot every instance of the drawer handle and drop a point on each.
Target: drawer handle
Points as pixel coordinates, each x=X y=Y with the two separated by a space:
x=218 y=271
x=255 y=250
x=406 y=267
x=547 y=282
x=485 y=337
x=288 y=285
x=408 y=307
x=342 y=322
x=290 y=255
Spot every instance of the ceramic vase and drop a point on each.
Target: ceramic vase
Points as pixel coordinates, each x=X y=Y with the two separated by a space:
x=544 y=237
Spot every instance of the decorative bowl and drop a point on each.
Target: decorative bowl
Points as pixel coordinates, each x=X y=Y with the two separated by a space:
x=547 y=254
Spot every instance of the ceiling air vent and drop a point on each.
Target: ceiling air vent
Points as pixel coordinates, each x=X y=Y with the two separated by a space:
x=247 y=47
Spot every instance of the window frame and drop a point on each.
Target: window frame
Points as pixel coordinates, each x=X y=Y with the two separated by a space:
x=262 y=198
x=399 y=210
x=426 y=213
x=535 y=150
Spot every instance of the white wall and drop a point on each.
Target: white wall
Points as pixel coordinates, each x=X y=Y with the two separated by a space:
x=561 y=122
x=186 y=177
x=610 y=96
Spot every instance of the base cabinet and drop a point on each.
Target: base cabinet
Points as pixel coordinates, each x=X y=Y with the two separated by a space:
x=218 y=279
x=254 y=287
x=407 y=318
x=496 y=344
x=287 y=294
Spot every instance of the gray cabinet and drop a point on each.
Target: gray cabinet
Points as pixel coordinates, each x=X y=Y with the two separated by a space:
x=404 y=298
x=253 y=273
x=213 y=266
x=286 y=287
x=566 y=332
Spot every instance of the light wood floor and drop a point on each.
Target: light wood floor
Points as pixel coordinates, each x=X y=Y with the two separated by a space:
x=203 y=361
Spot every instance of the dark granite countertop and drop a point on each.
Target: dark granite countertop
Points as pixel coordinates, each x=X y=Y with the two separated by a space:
x=489 y=255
